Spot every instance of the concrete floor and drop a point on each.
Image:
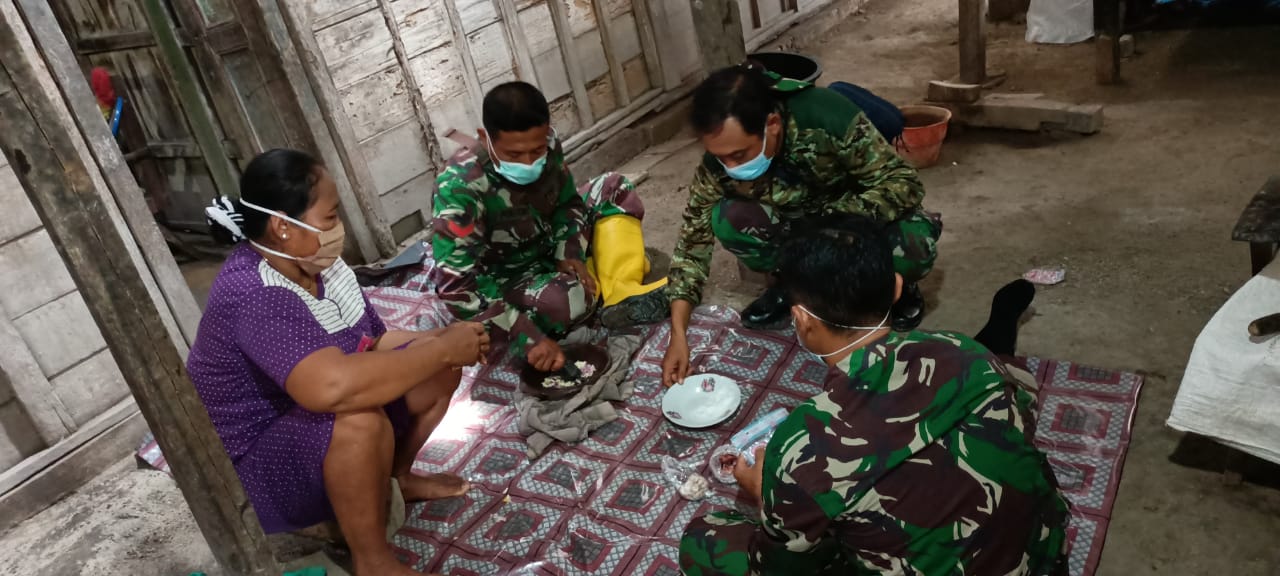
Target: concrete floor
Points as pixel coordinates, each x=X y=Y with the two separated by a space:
x=1139 y=215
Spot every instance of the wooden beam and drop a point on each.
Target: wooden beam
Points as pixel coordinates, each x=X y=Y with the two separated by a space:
x=50 y=417
x=616 y=74
x=648 y=41
x=32 y=465
x=291 y=38
x=973 y=42
x=113 y=42
x=43 y=155
x=671 y=75
x=434 y=153
x=226 y=37
x=718 y=27
x=81 y=458
x=154 y=251
x=519 y=43
x=572 y=65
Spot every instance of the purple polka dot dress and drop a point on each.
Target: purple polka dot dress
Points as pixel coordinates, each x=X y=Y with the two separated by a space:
x=257 y=326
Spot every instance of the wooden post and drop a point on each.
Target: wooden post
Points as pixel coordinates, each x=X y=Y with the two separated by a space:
x=1107 y=31
x=973 y=42
x=718 y=27
x=43 y=154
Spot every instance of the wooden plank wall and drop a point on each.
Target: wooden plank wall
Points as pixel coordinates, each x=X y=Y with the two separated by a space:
x=55 y=371
x=456 y=50
x=56 y=374
x=387 y=56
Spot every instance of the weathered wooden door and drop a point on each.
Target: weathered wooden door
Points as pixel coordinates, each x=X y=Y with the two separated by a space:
x=195 y=87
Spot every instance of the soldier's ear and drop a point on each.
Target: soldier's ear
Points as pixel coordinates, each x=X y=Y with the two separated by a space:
x=897 y=287
x=773 y=123
x=802 y=320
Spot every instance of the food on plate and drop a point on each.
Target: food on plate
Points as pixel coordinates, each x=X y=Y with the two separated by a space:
x=559 y=381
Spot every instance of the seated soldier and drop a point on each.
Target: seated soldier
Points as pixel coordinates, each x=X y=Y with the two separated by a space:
x=917 y=457
x=522 y=249
x=779 y=151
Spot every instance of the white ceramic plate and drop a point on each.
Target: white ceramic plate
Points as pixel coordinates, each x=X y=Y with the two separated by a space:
x=701 y=401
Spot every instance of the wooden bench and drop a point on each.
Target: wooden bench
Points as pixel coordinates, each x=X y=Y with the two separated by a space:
x=1259 y=225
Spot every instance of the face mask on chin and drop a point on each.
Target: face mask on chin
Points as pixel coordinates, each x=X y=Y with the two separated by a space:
x=331 y=243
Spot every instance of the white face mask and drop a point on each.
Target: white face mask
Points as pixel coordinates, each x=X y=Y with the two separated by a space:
x=871 y=330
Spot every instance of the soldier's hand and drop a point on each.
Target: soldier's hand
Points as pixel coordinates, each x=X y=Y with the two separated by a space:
x=751 y=478
x=579 y=269
x=675 y=363
x=545 y=356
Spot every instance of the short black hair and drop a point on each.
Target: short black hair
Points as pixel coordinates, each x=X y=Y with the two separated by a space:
x=279 y=179
x=741 y=92
x=840 y=267
x=515 y=107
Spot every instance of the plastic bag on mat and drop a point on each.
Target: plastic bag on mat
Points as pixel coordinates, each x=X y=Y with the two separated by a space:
x=1059 y=21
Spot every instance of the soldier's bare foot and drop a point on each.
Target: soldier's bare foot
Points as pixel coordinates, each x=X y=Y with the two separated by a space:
x=417 y=488
x=385 y=567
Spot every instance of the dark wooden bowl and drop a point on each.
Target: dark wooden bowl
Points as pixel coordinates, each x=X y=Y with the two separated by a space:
x=531 y=378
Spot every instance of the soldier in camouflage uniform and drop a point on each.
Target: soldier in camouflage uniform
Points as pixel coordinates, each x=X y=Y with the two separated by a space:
x=777 y=154
x=916 y=458
x=514 y=238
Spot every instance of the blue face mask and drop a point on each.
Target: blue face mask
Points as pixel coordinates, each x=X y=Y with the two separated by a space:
x=753 y=168
x=517 y=173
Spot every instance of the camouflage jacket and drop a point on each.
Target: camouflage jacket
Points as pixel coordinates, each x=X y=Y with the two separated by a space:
x=920 y=461
x=489 y=233
x=832 y=160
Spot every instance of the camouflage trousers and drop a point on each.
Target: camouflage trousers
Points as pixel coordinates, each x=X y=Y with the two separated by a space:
x=752 y=231
x=728 y=543
x=555 y=301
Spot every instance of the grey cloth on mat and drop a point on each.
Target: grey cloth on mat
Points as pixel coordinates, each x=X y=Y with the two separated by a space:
x=571 y=419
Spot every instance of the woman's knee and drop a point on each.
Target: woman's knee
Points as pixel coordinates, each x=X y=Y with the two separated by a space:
x=434 y=394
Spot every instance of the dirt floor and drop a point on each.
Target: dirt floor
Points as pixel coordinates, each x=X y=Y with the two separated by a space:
x=1139 y=215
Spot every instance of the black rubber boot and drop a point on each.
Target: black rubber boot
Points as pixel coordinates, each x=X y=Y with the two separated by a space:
x=908 y=311
x=1000 y=335
x=640 y=309
x=768 y=311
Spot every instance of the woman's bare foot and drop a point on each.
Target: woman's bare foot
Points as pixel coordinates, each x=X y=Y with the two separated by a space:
x=417 y=488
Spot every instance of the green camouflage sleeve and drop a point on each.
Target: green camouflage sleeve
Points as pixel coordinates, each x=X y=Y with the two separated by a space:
x=458 y=246
x=570 y=219
x=795 y=519
x=890 y=188
x=691 y=259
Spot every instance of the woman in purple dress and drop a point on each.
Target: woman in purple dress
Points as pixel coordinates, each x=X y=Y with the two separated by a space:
x=317 y=404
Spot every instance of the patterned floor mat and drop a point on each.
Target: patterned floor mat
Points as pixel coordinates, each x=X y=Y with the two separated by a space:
x=604 y=507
